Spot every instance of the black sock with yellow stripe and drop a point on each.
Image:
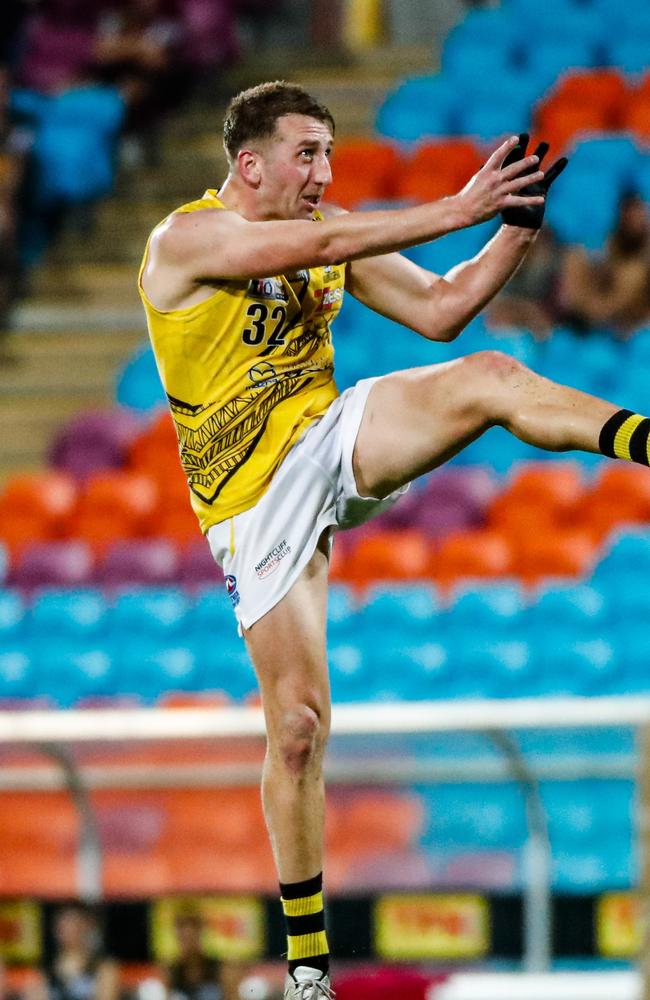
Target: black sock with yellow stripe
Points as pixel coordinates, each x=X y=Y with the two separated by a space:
x=304 y=913
x=626 y=435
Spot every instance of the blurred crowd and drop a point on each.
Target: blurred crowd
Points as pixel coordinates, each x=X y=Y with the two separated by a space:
x=80 y=84
x=583 y=290
x=77 y=966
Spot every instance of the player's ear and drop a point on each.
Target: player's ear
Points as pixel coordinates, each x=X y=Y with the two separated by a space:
x=249 y=165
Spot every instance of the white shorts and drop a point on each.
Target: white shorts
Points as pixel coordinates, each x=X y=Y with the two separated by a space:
x=263 y=550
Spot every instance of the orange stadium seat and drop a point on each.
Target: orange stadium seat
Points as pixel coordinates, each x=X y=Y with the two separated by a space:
x=127 y=500
x=251 y=870
x=378 y=820
x=561 y=122
x=636 y=118
x=482 y=553
x=606 y=89
x=389 y=555
x=19 y=530
x=35 y=508
x=178 y=524
x=363 y=170
x=438 y=168
x=541 y=497
x=51 y=495
x=621 y=495
x=156 y=447
x=560 y=554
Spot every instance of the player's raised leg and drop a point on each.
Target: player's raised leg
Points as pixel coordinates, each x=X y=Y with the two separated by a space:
x=287 y=647
x=417 y=419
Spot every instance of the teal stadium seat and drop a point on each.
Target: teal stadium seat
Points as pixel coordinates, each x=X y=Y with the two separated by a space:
x=77 y=613
x=160 y=612
x=12 y=616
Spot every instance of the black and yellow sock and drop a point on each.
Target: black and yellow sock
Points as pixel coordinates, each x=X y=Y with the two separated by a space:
x=304 y=913
x=626 y=435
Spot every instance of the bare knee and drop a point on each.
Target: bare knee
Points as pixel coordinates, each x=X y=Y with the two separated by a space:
x=493 y=379
x=301 y=738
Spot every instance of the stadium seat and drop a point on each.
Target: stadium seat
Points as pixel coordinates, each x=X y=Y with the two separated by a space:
x=196 y=566
x=437 y=169
x=363 y=170
x=580 y=609
x=492 y=815
x=69 y=672
x=480 y=553
x=94 y=441
x=149 y=668
x=17 y=670
x=496 y=608
x=138 y=384
x=604 y=88
x=350 y=673
x=159 y=612
x=389 y=556
x=72 y=613
x=144 y=561
x=53 y=564
x=211 y=614
x=130 y=495
x=408 y=609
x=12 y=616
x=420 y=107
x=565 y=553
x=341 y=612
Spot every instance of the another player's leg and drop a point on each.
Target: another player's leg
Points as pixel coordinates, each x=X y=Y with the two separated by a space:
x=287 y=647
x=417 y=419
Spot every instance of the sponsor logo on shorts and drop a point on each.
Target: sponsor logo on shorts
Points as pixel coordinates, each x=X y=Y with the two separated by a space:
x=272 y=559
x=231 y=589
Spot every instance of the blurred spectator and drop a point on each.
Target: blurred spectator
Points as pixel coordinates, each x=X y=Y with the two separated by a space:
x=611 y=289
x=14 y=144
x=12 y=14
x=194 y=975
x=530 y=299
x=79 y=968
x=6 y=992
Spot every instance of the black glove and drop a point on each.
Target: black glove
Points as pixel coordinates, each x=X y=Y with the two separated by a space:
x=531 y=216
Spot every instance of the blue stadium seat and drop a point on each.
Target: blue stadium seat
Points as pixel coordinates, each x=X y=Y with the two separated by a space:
x=160 y=612
x=473 y=815
x=628 y=54
x=73 y=613
x=69 y=670
x=341 y=611
x=580 y=812
x=564 y=664
x=641 y=183
x=461 y=54
x=489 y=667
x=580 y=610
x=222 y=664
x=597 y=868
x=12 y=616
x=410 y=672
x=148 y=669
x=489 y=609
x=548 y=58
x=420 y=107
x=410 y=610
x=18 y=670
x=443 y=254
x=627 y=554
x=494 y=123
x=586 y=205
x=138 y=384
x=350 y=672
x=211 y=616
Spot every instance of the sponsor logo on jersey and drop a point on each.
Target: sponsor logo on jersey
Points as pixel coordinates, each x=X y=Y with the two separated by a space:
x=272 y=559
x=231 y=589
x=267 y=289
x=331 y=273
x=328 y=298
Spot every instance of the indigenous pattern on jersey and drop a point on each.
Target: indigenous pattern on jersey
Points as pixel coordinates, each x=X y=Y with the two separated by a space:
x=245 y=372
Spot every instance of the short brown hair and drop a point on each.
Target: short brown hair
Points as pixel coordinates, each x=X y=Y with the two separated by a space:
x=253 y=114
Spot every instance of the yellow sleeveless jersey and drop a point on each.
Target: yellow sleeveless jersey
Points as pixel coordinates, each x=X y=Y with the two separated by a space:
x=245 y=373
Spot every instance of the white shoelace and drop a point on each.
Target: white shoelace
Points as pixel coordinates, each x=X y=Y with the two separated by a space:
x=317 y=987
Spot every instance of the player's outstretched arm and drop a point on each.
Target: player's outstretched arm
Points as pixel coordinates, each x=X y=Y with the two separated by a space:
x=440 y=307
x=212 y=244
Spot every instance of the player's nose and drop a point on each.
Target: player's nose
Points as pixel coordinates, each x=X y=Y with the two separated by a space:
x=323 y=171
